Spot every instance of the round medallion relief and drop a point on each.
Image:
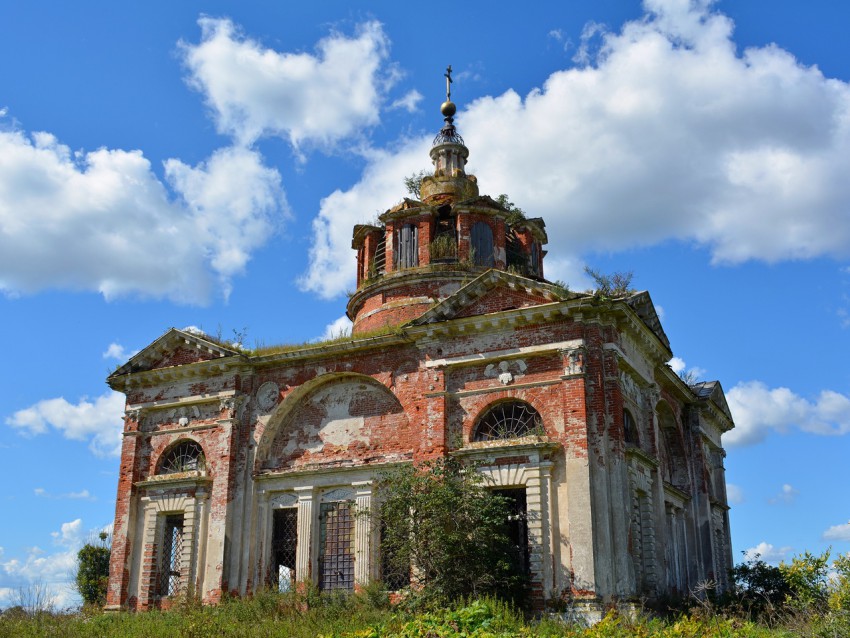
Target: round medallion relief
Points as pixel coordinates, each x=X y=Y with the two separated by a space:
x=267 y=395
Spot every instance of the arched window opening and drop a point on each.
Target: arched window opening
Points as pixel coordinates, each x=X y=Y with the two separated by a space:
x=407 y=247
x=186 y=456
x=517 y=260
x=509 y=420
x=630 y=433
x=482 y=245
x=379 y=266
x=535 y=259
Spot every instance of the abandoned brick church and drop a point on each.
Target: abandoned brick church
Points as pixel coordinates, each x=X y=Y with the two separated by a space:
x=241 y=469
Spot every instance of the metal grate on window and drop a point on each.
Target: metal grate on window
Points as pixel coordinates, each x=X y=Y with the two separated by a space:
x=336 y=557
x=186 y=456
x=517 y=527
x=172 y=555
x=508 y=420
x=284 y=546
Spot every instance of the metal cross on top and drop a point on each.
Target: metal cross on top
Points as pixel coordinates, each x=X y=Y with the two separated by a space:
x=448 y=75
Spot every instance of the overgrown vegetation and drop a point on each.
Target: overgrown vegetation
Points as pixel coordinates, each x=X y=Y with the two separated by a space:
x=515 y=213
x=93 y=571
x=441 y=517
x=617 y=284
x=413 y=182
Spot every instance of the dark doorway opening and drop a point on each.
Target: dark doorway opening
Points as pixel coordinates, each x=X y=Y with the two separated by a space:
x=517 y=527
x=284 y=544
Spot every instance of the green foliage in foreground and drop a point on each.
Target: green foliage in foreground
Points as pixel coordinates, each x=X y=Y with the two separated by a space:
x=369 y=616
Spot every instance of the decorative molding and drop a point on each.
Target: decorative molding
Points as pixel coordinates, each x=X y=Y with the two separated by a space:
x=338 y=494
x=503 y=370
x=283 y=500
x=576 y=358
x=518 y=386
x=512 y=353
x=267 y=396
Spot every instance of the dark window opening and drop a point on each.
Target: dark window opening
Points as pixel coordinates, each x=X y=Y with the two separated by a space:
x=336 y=547
x=516 y=258
x=284 y=545
x=517 y=528
x=407 y=247
x=171 y=556
x=444 y=245
x=508 y=420
x=629 y=428
x=482 y=245
x=535 y=259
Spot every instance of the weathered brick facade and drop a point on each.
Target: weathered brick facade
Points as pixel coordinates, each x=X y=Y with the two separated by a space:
x=621 y=473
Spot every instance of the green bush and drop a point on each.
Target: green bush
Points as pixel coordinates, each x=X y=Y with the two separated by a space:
x=93 y=572
x=440 y=524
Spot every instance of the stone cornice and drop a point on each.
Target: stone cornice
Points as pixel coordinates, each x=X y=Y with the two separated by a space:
x=512 y=353
x=539 y=444
x=197 y=370
x=331 y=350
x=181 y=480
x=637 y=453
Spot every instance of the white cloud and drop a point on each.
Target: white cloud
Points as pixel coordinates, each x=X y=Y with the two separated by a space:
x=337 y=328
x=83 y=495
x=69 y=533
x=104 y=221
x=786 y=495
x=98 y=422
x=255 y=91
x=677 y=364
x=758 y=410
x=118 y=352
x=734 y=494
x=767 y=552
x=409 y=102
x=54 y=572
x=838 y=533
x=668 y=132
x=331 y=257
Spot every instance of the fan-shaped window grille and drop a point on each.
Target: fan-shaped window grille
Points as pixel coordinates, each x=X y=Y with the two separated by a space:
x=183 y=457
x=508 y=420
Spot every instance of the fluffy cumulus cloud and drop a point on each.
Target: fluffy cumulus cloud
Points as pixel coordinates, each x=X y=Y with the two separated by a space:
x=665 y=131
x=758 y=410
x=321 y=98
x=98 y=422
x=41 y=576
x=337 y=328
x=767 y=552
x=838 y=533
x=330 y=255
x=103 y=220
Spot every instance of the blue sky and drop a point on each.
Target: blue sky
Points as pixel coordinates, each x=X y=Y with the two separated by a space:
x=202 y=164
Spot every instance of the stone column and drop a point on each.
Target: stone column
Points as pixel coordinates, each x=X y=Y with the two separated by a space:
x=362 y=532
x=303 y=555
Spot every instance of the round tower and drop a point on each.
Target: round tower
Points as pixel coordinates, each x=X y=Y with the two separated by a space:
x=425 y=249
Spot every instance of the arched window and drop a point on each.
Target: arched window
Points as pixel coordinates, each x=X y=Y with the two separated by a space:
x=482 y=245
x=629 y=428
x=186 y=456
x=407 y=247
x=508 y=420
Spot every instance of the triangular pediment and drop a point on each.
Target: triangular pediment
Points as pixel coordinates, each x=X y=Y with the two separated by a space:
x=175 y=348
x=642 y=304
x=493 y=291
x=712 y=391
